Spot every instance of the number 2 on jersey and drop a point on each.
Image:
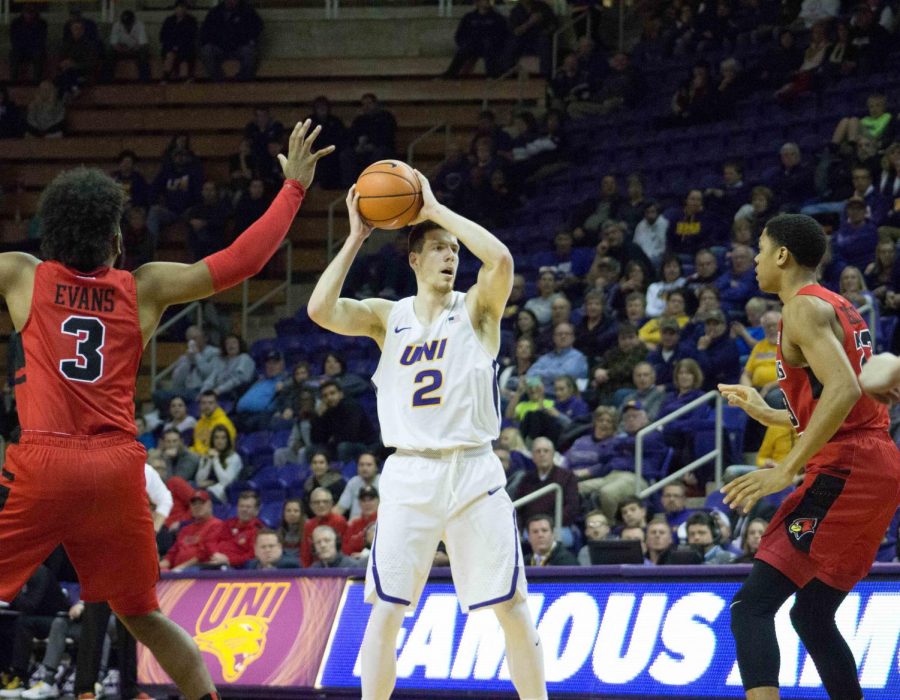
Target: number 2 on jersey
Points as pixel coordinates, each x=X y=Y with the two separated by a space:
x=90 y=334
x=431 y=379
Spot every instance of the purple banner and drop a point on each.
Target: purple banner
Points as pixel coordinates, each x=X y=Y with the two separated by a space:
x=265 y=631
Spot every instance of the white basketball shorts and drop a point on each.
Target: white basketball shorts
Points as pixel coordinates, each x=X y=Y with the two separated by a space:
x=457 y=496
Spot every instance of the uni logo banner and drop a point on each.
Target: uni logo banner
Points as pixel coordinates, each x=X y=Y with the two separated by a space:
x=234 y=624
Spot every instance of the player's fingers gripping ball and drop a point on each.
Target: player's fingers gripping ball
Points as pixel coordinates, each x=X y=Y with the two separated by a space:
x=389 y=194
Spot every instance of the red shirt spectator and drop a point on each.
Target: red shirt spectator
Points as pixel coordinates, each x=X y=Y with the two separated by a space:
x=354 y=539
x=195 y=540
x=321 y=502
x=236 y=547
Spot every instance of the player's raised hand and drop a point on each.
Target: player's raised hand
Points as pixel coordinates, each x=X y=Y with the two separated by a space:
x=429 y=201
x=880 y=377
x=300 y=162
x=359 y=227
x=745 y=397
x=746 y=490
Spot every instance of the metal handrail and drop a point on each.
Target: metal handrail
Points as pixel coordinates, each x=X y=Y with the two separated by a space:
x=411 y=148
x=154 y=376
x=247 y=307
x=329 y=244
x=557 y=508
x=715 y=454
x=570 y=24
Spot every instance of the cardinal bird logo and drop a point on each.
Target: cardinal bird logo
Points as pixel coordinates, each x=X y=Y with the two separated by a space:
x=803 y=526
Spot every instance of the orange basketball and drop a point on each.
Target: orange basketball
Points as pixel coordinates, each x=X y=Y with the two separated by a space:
x=389 y=194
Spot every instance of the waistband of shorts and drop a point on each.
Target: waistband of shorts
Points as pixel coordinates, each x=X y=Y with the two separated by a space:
x=447 y=455
x=78 y=442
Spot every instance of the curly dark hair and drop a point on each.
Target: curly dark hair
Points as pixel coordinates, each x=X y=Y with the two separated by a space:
x=801 y=235
x=79 y=214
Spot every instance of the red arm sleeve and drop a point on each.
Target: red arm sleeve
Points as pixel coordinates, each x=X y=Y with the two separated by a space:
x=255 y=246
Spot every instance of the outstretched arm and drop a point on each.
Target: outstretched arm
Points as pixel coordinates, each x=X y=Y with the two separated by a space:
x=494 y=284
x=880 y=377
x=340 y=314
x=162 y=284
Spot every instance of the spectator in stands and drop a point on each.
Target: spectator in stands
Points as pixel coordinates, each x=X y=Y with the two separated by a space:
x=255 y=407
x=889 y=189
x=650 y=233
x=750 y=540
x=38 y=604
x=327 y=546
x=191 y=370
x=636 y=534
x=79 y=58
x=355 y=537
x=220 y=466
x=367 y=476
x=478 y=35
x=372 y=137
x=691 y=229
x=180 y=461
x=179 y=419
x=176 y=188
x=328 y=170
x=706 y=271
x=541 y=305
x=136 y=188
x=231 y=29
x=731 y=87
x=672 y=278
x=12 y=121
x=659 y=540
x=194 y=540
x=302 y=412
x=802 y=80
x=128 y=42
x=883 y=274
x=674 y=497
x=856 y=238
x=667 y=353
x=631 y=210
x=335 y=369
x=725 y=200
x=793 y=180
x=879 y=124
x=208 y=221
x=28 y=43
x=868 y=37
x=534 y=392
x=631 y=512
x=288 y=397
x=568 y=405
x=778 y=62
x=268 y=552
x=546 y=472
x=531 y=27
x=137 y=241
x=758 y=211
x=694 y=102
x=571 y=84
x=717 y=353
x=263 y=129
x=841 y=58
x=588 y=217
x=234 y=371
x=290 y=531
x=237 y=545
x=614 y=244
x=588 y=455
x=243 y=167
x=621 y=87
x=46 y=115
x=646 y=392
x=342 y=426
x=545 y=549
x=323 y=476
x=487 y=126
x=564 y=359
x=178 y=42
x=760 y=372
x=675 y=308
x=320 y=502
x=144 y=436
x=596 y=529
x=616 y=367
x=514 y=374
x=251 y=205
x=211 y=416
x=596 y=332
x=853 y=288
x=703 y=535
x=737 y=285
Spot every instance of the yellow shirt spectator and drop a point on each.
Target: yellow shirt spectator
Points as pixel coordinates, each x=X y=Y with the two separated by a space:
x=761 y=364
x=204 y=427
x=776 y=444
x=651 y=333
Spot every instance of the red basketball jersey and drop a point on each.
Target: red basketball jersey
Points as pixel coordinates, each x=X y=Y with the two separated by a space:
x=82 y=348
x=802 y=388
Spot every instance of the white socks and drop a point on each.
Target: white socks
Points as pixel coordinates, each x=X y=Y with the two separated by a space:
x=524 y=651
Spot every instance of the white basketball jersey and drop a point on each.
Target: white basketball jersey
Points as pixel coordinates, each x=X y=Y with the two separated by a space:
x=437 y=386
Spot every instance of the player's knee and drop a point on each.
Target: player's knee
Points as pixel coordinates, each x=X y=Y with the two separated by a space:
x=804 y=619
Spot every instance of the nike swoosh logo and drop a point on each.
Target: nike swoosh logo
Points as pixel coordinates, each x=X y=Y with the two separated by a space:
x=494 y=490
x=400 y=330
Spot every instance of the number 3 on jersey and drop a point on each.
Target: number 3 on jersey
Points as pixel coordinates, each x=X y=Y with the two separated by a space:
x=90 y=334
x=863 y=341
x=431 y=380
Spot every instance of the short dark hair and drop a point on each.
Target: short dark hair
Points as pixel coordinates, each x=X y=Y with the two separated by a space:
x=209 y=392
x=417 y=235
x=540 y=516
x=79 y=214
x=627 y=502
x=242 y=344
x=243 y=495
x=170 y=431
x=268 y=531
x=801 y=235
x=127 y=153
x=327 y=383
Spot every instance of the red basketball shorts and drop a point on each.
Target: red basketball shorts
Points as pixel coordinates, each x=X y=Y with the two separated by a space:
x=831 y=526
x=88 y=494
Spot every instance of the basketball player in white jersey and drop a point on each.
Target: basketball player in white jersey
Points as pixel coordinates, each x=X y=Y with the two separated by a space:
x=438 y=404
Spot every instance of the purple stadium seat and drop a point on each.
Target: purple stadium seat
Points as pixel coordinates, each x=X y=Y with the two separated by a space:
x=270 y=513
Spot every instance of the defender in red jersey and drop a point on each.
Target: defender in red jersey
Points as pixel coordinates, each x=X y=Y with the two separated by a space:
x=825 y=535
x=77 y=475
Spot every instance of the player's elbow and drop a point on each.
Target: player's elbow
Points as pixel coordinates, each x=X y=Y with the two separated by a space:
x=504 y=260
x=316 y=310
